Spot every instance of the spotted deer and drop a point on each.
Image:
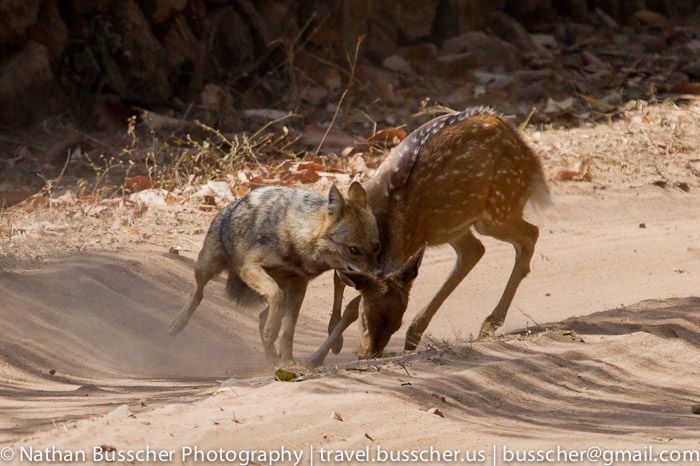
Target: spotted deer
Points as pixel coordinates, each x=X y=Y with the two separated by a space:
x=463 y=170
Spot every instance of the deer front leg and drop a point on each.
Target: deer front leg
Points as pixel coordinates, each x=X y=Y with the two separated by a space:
x=469 y=251
x=349 y=316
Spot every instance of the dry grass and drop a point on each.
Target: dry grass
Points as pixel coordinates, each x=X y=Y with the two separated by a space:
x=659 y=143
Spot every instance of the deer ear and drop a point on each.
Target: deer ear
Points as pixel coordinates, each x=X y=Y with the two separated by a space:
x=409 y=271
x=358 y=280
x=336 y=203
x=357 y=195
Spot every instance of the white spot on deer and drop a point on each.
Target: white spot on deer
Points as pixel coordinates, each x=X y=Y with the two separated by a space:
x=386 y=191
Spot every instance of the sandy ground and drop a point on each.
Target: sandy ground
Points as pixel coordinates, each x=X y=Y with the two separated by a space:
x=601 y=346
x=619 y=370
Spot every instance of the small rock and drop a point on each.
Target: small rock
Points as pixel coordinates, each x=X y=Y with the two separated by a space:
x=695 y=409
x=492 y=53
x=336 y=416
x=436 y=411
x=642 y=225
x=52 y=372
x=122 y=411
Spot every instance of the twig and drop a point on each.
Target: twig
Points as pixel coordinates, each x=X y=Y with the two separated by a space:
x=528 y=316
x=434 y=110
x=347 y=89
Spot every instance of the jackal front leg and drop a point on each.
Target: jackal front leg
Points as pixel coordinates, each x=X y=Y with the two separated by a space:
x=295 y=290
x=338 y=289
x=259 y=280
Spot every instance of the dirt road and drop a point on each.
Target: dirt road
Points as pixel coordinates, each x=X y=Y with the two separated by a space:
x=625 y=378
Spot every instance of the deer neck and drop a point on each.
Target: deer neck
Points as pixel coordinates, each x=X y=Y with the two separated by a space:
x=393 y=224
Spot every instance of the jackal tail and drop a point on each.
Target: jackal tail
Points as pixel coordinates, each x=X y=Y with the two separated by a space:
x=241 y=294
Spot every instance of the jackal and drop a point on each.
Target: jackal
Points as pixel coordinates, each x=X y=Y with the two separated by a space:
x=272 y=242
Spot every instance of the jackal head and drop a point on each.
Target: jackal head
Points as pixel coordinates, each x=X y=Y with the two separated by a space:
x=350 y=239
x=384 y=302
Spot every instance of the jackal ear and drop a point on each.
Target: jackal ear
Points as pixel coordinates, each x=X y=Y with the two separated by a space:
x=358 y=280
x=357 y=195
x=336 y=203
x=409 y=271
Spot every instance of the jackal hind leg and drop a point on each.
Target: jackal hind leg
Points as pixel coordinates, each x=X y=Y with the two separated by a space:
x=209 y=264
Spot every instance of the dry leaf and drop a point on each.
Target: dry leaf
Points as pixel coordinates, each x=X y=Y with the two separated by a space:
x=337 y=139
x=301 y=176
x=285 y=376
x=687 y=88
x=138 y=183
x=597 y=104
x=389 y=137
x=581 y=171
x=130 y=230
x=650 y=19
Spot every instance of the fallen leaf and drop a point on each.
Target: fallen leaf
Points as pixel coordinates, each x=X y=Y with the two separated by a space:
x=314 y=134
x=314 y=95
x=301 y=176
x=597 y=104
x=581 y=171
x=285 y=376
x=138 y=183
x=650 y=19
x=686 y=88
x=326 y=34
x=388 y=137
x=336 y=416
x=130 y=230
x=556 y=107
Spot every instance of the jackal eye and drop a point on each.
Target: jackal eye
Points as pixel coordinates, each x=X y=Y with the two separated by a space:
x=354 y=251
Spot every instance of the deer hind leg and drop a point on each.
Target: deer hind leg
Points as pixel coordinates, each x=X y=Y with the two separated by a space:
x=210 y=263
x=523 y=236
x=469 y=251
x=294 y=294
